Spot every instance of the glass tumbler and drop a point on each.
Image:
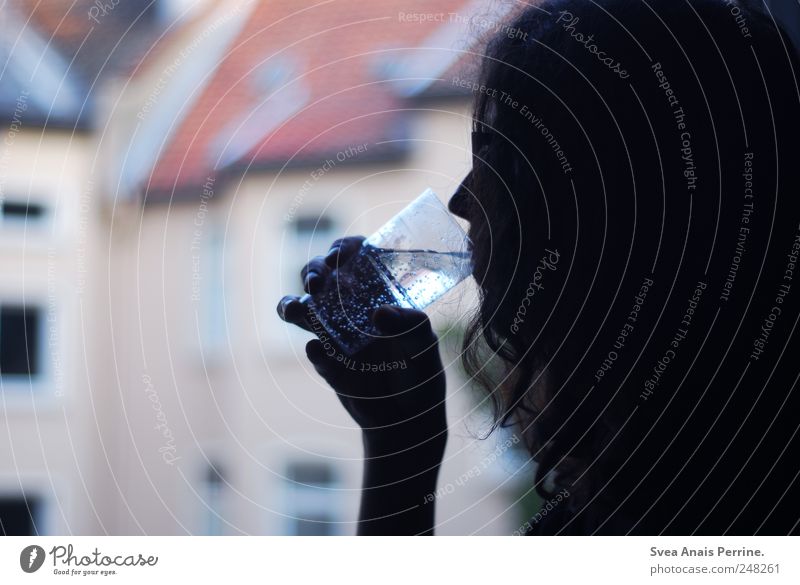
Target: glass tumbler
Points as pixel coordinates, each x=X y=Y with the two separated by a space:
x=414 y=259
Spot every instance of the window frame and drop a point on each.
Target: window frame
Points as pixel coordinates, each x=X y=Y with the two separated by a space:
x=18 y=224
x=19 y=390
x=320 y=497
x=295 y=252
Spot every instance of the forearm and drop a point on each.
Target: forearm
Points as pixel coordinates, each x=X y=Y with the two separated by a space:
x=398 y=487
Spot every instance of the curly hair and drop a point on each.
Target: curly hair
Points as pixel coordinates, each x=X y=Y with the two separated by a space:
x=633 y=206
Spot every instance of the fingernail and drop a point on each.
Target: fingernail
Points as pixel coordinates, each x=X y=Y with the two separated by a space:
x=313 y=282
x=292 y=311
x=332 y=257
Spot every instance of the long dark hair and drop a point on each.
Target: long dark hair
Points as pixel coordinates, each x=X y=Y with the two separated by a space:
x=634 y=216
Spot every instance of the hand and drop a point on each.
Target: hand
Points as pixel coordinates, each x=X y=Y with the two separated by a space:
x=394 y=388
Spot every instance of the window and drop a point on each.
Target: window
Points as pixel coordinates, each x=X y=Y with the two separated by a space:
x=215 y=487
x=308 y=225
x=309 y=236
x=306 y=236
x=313 y=499
x=209 y=286
x=211 y=272
x=21 y=212
x=313 y=234
x=20 y=341
x=18 y=516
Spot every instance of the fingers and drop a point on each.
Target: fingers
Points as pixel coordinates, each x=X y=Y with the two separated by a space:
x=342 y=250
x=409 y=328
x=325 y=367
x=315 y=351
x=314 y=274
x=409 y=332
x=318 y=270
x=294 y=310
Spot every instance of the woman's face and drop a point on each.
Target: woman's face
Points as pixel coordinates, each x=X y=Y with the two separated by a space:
x=464 y=199
x=458 y=204
x=465 y=204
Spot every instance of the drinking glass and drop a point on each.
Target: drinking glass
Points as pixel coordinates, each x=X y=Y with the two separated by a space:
x=412 y=261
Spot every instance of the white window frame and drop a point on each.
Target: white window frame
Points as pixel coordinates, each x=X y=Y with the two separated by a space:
x=302 y=500
x=213 y=310
x=297 y=251
x=344 y=457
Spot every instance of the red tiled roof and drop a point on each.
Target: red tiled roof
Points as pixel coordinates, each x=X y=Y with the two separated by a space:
x=327 y=58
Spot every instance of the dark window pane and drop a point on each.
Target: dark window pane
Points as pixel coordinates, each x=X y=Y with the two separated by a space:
x=17 y=516
x=19 y=341
x=309 y=225
x=311 y=473
x=214 y=475
x=22 y=210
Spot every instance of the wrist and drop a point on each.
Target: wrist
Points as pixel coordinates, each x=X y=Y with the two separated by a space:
x=404 y=461
x=400 y=475
x=407 y=475
x=405 y=443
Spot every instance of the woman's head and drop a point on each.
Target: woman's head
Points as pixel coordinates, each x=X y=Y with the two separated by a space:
x=631 y=207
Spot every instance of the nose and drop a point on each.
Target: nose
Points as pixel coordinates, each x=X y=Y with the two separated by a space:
x=459 y=201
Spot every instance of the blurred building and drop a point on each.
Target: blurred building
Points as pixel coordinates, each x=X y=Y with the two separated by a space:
x=159 y=196
x=51 y=245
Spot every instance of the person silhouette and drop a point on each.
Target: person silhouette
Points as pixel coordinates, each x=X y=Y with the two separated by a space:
x=651 y=370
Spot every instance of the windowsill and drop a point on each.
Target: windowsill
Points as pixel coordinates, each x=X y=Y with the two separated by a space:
x=27 y=396
x=35 y=238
